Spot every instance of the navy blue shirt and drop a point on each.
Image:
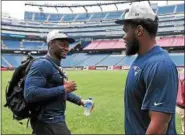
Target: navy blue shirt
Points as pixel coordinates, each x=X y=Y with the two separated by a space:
x=151 y=85
x=44 y=86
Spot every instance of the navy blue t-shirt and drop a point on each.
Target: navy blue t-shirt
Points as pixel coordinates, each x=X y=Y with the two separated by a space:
x=151 y=85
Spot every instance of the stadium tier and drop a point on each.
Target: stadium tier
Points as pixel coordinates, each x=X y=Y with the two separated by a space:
x=34 y=16
x=98 y=39
x=84 y=59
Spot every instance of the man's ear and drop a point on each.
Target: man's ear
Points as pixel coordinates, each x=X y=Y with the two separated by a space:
x=50 y=45
x=139 y=31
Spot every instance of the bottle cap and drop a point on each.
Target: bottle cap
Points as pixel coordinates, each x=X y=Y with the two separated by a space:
x=90 y=98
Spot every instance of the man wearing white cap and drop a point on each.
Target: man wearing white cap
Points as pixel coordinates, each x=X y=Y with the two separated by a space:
x=152 y=81
x=45 y=87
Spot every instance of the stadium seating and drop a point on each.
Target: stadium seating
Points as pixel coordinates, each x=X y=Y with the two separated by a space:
x=12 y=44
x=171 y=41
x=120 y=44
x=69 y=17
x=180 y=8
x=127 y=61
x=83 y=17
x=111 y=60
x=163 y=10
x=106 y=44
x=3 y=63
x=74 y=60
x=166 y=10
x=55 y=17
x=98 y=16
x=13 y=59
x=28 y=15
x=29 y=45
x=96 y=26
x=40 y=16
x=93 y=60
x=92 y=45
x=178 y=59
x=114 y=15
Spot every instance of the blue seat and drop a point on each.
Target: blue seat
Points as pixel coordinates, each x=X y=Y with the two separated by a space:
x=12 y=44
x=55 y=17
x=93 y=60
x=166 y=10
x=41 y=16
x=14 y=59
x=111 y=60
x=126 y=61
x=74 y=60
x=69 y=17
x=178 y=59
x=180 y=8
x=28 y=15
x=83 y=17
x=98 y=16
x=3 y=63
x=32 y=45
x=114 y=15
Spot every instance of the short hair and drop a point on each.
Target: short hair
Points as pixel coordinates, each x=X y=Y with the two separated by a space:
x=148 y=24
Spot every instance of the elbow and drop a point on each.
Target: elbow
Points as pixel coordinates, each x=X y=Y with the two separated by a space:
x=29 y=96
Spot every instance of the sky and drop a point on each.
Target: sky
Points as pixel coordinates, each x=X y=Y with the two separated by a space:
x=18 y=8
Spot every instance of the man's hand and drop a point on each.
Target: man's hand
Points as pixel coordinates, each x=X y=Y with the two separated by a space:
x=70 y=86
x=83 y=104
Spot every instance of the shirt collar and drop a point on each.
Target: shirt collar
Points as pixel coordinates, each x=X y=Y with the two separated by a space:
x=54 y=60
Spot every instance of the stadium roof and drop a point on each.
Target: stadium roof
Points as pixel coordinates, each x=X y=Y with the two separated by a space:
x=76 y=5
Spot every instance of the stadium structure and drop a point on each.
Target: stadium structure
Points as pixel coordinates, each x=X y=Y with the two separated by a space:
x=98 y=40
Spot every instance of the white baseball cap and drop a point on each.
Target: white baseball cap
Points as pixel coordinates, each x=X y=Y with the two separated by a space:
x=57 y=34
x=139 y=10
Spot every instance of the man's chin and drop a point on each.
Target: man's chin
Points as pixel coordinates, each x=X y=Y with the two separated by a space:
x=130 y=53
x=63 y=57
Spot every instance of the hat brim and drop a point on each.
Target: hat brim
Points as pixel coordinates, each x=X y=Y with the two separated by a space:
x=121 y=22
x=70 y=40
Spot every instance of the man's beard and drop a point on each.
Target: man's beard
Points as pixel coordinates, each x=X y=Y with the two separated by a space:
x=132 y=47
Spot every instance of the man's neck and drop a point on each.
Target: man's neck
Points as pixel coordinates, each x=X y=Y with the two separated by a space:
x=146 y=46
x=53 y=57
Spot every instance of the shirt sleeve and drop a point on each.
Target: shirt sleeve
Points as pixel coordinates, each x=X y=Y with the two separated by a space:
x=35 y=83
x=74 y=98
x=161 y=82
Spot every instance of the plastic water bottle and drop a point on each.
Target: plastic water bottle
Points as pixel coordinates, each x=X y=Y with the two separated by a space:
x=88 y=105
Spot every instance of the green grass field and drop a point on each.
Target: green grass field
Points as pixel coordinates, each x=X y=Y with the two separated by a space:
x=106 y=89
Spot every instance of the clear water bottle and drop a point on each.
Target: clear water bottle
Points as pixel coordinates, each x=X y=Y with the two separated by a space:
x=88 y=106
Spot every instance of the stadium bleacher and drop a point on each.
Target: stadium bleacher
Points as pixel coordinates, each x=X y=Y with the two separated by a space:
x=13 y=59
x=93 y=60
x=29 y=45
x=96 y=24
x=12 y=44
x=162 y=10
x=111 y=60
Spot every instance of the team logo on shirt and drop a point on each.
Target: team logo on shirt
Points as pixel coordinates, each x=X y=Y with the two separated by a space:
x=136 y=70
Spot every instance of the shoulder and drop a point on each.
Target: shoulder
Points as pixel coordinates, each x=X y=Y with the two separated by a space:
x=41 y=64
x=160 y=59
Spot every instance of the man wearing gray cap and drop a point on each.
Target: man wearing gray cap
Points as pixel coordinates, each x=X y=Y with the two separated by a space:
x=152 y=81
x=46 y=88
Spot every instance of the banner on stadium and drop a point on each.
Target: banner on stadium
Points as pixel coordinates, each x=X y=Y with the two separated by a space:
x=68 y=68
x=85 y=68
x=101 y=67
x=79 y=68
x=125 y=67
x=110 y=68
x=92 y=68
x=116 y=67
